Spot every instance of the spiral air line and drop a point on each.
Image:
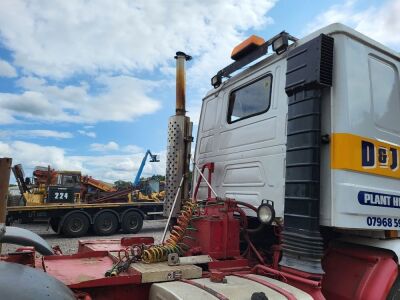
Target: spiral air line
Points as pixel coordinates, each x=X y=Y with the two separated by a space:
x=174 y=244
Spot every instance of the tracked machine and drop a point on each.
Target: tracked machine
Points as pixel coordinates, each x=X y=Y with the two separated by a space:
x=296 y=188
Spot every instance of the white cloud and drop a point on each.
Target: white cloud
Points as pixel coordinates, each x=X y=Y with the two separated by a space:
x=6 y=117
x=5 y=150
x=120 y=98
x=59 y=38
x=132 y=149
x=110 y=146
x=7 y=70
x=31 y=155
x=91 y=134
x=37 y=133
x=380 y=23
x=123 y=99
x=30 y=103
x=105 y=167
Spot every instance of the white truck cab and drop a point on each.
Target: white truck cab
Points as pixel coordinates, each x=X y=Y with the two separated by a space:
x=316 y=131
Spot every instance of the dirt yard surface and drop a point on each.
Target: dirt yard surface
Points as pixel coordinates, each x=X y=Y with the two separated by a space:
x=70 y=245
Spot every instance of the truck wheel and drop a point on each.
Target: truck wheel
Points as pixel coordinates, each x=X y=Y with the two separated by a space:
x=132 y=222
x=54 y=224
x=106 y=223
x=75 y=225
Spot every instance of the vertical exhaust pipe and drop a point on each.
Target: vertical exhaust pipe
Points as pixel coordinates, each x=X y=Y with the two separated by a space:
x=181 y=58
x=179 y=143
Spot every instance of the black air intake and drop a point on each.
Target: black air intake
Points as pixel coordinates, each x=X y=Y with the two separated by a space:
x=309 y=70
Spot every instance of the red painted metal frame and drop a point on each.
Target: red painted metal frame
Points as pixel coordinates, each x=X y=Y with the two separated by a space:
x=353 y=272
x=112 y=244
x=24 y=256
x=119 y=292
x=86 y=270
x=210 y=167
x=310 y=286
x=230 y=265
x=217 y=230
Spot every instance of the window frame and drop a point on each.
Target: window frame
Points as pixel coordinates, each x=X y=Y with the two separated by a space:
x=230 y=109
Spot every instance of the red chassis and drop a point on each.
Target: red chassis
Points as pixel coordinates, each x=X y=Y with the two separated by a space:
x=350 y=273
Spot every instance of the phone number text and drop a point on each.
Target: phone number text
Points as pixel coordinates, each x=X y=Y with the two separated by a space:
x=383 y=222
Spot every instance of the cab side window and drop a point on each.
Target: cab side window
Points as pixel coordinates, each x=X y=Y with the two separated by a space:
x=250 y=100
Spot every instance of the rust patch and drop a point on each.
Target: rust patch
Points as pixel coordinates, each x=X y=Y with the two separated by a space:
x=90 y=260
x=84 y=277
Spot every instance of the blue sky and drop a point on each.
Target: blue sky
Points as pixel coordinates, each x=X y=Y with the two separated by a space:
x=89 y=85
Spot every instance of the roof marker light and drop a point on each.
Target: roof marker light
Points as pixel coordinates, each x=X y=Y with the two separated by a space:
x=250 y=50
x=247 y=46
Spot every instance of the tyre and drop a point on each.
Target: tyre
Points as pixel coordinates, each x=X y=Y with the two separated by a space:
x=106 y=223
x=54 y=224
x=75 y=225
x=132 y=222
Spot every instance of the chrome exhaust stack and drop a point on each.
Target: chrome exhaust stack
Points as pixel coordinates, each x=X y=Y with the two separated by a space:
x=179 y=143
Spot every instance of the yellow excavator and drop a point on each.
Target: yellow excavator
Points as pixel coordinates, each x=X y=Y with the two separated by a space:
x=150 y=190
x=51 y=186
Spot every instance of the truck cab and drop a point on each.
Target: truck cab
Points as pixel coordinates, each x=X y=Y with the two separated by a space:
x=315 y=132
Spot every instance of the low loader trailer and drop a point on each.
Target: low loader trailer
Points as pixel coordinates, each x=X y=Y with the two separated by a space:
x=295 y=194
x=73 y=203
x=75 y=219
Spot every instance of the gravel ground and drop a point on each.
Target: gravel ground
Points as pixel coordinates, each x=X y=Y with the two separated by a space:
x=152 y=228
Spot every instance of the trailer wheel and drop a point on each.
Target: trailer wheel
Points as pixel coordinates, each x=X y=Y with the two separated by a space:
x=132 y=222
x=106 y=223
x=75 y=225
x=54 y=224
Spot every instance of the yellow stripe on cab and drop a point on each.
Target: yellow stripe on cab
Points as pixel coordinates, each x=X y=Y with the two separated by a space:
x=366 y=155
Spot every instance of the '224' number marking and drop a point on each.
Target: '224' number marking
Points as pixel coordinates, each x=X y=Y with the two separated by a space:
x=60 y=196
